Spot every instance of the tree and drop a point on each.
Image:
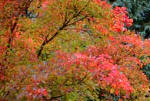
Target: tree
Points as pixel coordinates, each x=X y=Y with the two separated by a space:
x=139 y=11
x=70 y=50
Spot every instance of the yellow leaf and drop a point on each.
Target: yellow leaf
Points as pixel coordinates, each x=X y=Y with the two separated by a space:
x=111 y=90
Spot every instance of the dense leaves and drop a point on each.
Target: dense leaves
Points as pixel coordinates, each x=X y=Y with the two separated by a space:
x=139 y=11
x=70 y=50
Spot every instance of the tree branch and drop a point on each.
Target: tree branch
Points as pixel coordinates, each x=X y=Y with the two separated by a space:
x=11 y=33
x=65 y=24
x=46 y=41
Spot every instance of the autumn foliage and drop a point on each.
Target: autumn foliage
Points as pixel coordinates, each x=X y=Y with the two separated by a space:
x=70 y=50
